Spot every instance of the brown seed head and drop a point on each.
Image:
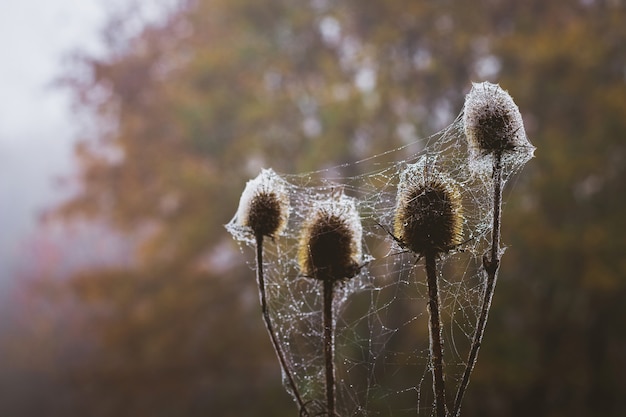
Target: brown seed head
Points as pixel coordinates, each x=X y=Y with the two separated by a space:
x=264 y=205
x=428 y=216
x=493 y=123
x=330 y=243
x=265 y=214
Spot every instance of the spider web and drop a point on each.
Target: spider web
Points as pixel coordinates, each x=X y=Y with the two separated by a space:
x=382 y=358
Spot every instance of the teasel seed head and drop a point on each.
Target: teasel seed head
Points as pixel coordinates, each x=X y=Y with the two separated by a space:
x=429 y=214
x=493 y=123
x=330 y=242
x=264 y=205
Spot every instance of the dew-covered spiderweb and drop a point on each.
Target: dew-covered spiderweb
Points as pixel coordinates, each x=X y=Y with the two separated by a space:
x=381 y=318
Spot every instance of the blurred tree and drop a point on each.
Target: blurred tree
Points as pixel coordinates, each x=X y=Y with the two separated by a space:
x=190 y=107
x=564 y=301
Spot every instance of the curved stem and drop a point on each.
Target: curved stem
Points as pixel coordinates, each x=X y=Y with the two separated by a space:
x=270 y=328
x=329 y=346
x=491 y=263
x=436 y=343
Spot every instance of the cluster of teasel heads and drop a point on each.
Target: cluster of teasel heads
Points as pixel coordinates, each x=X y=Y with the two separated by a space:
x=428 y=221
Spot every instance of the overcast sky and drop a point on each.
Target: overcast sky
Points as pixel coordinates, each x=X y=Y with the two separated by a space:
x=34 y=35
x=36 y=130
x=36 y=126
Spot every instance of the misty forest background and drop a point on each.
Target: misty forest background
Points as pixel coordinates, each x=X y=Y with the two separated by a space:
x=137 y=302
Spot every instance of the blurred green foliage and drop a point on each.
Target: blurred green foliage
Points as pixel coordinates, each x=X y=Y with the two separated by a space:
x=191 y=107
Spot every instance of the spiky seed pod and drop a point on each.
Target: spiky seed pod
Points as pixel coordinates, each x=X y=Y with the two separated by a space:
x=429 y=215
x=330 y=243
x=264 y=205
x=493 y=123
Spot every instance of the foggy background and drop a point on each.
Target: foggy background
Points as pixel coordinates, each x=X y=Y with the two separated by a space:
x=129 y=129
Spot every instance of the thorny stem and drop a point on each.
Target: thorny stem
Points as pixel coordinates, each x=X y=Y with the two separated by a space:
x=436 y=344
x=491 y=263
x=329 y=346
x=270 y=328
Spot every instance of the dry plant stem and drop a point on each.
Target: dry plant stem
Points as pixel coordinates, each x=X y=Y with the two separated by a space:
x=491 y=263
x=270 y=327
x=436 y=344
x=329 y=346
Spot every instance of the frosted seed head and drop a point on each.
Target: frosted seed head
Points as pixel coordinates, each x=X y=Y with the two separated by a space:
x=330 y=242
x=264 y=205
x=429 y=214
x=493 y=123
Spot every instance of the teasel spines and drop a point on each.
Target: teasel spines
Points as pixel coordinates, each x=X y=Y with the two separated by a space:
x=330 y=242
x=492 y=120
x=429 y=215
x=264 y=205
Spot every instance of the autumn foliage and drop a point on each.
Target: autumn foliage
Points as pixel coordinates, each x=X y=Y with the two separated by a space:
x=188 y=108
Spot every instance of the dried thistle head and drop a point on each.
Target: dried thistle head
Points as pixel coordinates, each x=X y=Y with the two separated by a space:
x=429 y=214
x=264 y=205
x=330 y=242
x=493 y=123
